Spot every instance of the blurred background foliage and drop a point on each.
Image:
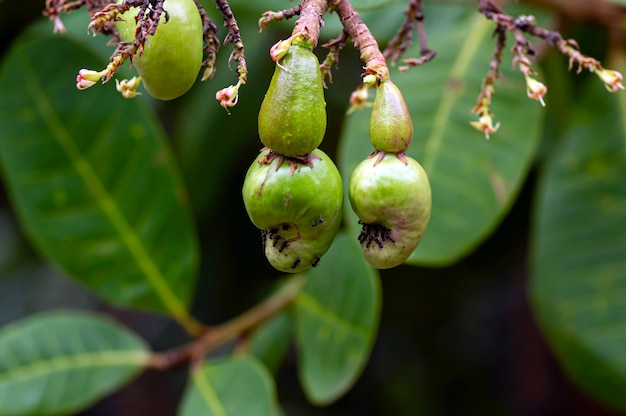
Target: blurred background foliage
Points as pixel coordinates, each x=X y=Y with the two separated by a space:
x=460 y=338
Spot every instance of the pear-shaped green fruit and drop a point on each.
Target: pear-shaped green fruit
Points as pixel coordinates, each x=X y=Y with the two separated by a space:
x=391 y=128
x=298 y=208
x=392 y=198
x=172 y=57
x=292 y=118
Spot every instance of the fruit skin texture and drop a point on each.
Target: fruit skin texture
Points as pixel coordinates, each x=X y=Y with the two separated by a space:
x=393 y=201
x=299 y=213
x=172 y=57
x=292 y=118
x=391 y=128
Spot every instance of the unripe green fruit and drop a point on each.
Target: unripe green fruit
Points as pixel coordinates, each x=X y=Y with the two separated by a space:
x=393 y=200
x=171 y=58
x=297 y=207
x=292 y=118
x=391 y=128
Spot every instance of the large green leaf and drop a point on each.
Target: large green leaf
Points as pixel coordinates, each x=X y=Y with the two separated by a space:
x=474 y=181
x=61 y=362
x=372 y=4
x=270 y=342
x=230 y=387
x=337 y=314
x=92 y=179
x=578 y=281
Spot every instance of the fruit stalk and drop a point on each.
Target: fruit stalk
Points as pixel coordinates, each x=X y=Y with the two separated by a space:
x=311 y=19
x=363 y=39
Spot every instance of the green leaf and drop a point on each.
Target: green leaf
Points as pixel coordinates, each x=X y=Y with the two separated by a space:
x=578 y=283
x=93 y=181
x=61 y=362
x=372 y=4
x=474 y=181
x=233 y=386
x=270 y=342
x=337 y=314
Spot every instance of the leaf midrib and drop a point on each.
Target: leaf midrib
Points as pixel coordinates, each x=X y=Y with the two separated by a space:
x=311 y=304
x=208 y=393
x=449 y=95
x=64 y=363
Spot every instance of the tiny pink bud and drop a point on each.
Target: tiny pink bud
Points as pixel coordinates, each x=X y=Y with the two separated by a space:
x=228 y=96
x=280 y=49
x=612 y=79
x=536 y=90
x=358 y=99
x=59 y=27
x=87 y=78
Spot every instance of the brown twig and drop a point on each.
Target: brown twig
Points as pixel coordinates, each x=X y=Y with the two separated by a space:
x=270 y=16
x=311 y=19
x=375 y=63
x=195 y=352
x=568 y=47
x=54 y=9
x=403 y=39
x=228 y=96
x=332 y=58
x=211 y=42
x=521 y=51
x=483 y=107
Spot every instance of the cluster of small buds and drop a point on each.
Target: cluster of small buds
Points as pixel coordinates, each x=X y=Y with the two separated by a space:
x=485 y=115
x=87 y=78
x=534 y=89
x=612 y=79
x=128 y=87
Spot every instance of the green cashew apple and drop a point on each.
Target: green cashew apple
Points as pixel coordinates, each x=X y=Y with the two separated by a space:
x=171 y=58
x=292 y=118
x=392 y=198
x=297 y=207
x=391 y=128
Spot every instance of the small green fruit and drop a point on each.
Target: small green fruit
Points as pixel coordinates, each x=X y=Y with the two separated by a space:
x=392 y=198
x=292 y=118
x=297 y=207
x=391 y=128
x=172 y=57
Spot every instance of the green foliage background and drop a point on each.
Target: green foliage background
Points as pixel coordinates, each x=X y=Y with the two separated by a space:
x=519 y=281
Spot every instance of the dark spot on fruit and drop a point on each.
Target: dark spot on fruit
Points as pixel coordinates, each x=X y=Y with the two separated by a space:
x=374 y=234
x=295 y=263
x=315 y=223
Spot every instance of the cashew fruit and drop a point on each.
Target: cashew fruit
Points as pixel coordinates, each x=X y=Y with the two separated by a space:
x=292 y=118
x=392 y=198
x=172 y=57
x=298 y=207
x=391 y=128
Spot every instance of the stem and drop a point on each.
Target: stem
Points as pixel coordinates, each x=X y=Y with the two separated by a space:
x=332 y=59
x=234 y=37
x=271 y=16
x=311 y=19
x=363 y=39
x=213 y=337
